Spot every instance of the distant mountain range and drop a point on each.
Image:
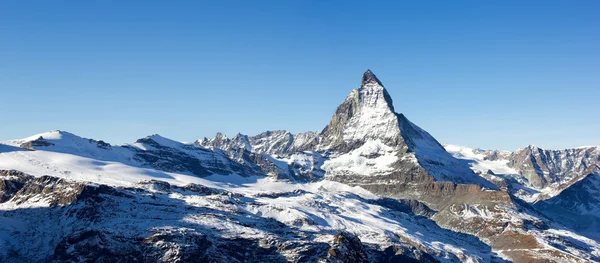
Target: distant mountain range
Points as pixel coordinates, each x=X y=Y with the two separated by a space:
x=370 y=187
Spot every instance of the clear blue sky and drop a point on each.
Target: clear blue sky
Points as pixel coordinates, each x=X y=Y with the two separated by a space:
x=490 y=74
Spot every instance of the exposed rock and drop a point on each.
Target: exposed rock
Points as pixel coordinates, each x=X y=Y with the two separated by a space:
x=409 y=206
x=101 y=144
x=542 y=168
x=577 y=205
x=346 y=248
x=39 y=142
x=11 y=182
x=397 y=254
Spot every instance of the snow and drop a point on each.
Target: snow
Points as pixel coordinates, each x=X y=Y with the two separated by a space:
x=322 y=207
x=123 y=171
x=375 y=117
x=165 y=141
x=466 y=153
x=306 y=161
x=373 y=157
x=319 y=213
x=51 y=135
x=85 y=169
x=563 y=161
x=68 y=143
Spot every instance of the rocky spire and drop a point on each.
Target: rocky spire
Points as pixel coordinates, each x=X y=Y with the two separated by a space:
x=366 y=113
x=369 y=77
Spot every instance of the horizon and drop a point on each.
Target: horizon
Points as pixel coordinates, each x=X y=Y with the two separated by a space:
x=486 y=75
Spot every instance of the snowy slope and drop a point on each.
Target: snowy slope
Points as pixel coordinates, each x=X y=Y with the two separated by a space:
x=305 y=217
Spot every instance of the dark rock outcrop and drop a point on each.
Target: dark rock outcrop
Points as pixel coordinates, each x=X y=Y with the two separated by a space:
x=39 y=142
x=11 y=182
x=346 y=248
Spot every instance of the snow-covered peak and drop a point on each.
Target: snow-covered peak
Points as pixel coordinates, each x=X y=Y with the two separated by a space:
x=55 y=135
x=58 y=140
x=366 y=113
x=372 y=93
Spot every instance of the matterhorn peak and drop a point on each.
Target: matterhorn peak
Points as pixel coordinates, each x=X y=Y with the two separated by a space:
x=372 y=92
x=367 y=117
x=370 y=78
x=366 y=113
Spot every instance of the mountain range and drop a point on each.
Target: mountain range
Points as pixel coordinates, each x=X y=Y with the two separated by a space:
x=372 y=186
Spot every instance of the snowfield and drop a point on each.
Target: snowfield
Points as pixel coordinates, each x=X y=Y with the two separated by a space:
x=320 y=209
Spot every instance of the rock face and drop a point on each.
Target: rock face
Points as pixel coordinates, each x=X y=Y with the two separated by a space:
x=532 y=173
x=270 y=142
x=39 y=142
x=346 y=248
x=578 y=205
x=11 y=182
x=264 y=149
x=542 y=168
x=366 y=113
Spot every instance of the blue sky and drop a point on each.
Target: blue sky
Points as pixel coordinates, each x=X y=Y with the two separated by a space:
x=490 y=74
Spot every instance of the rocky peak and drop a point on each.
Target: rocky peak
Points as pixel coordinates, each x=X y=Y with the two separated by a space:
x=531 y=149
x=219 y=141
x=346 y=248
x=373 y=93
x=366 y=113
x=367 y=117
x=544 y=167
x=370 y=78
x=220 y=136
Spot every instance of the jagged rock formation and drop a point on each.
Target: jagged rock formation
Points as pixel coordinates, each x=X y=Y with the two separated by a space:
x=542 y=168
x=39 y=142
x=270 y=142
x=367 y=117
x=263 y=150
x=346 y=248
x=366 y=113
x=531 y=173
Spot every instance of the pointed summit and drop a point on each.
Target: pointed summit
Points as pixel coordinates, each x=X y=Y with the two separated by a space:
x=371 y=89
x=370 y=78
x=367 y=117
x=366 y=113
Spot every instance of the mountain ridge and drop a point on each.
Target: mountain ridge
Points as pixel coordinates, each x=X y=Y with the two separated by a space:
x=387 y=166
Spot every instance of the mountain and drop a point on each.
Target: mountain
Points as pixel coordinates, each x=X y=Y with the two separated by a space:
x=372 y=186
x=57 y=220
x=365 y=123
x=577 y=205
x=532 y=173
